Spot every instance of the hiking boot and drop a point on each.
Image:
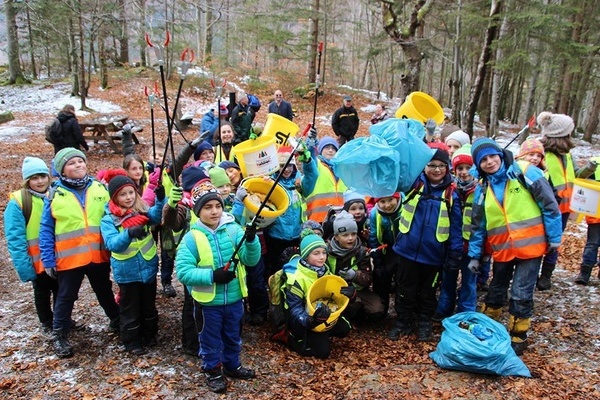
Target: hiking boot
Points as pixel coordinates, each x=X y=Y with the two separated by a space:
x=47 y=329
x=401 y=329
x=138 y=351
x=114 y=325
x=519 y=346
x=169 y=290
x=215 y=380
x=544 y=282
x=240 y=373
x=584 y=275
x=60 y=343
x=76 y=327
x=424 y=331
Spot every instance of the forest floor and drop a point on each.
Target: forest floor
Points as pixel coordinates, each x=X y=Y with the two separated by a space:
x=563 y=357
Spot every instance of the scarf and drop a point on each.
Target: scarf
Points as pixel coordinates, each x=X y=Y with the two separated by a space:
x=75 y=183
x=126 y=218
x=37 y=194
x=336 y=250
x=319 y=270
x=465 y=187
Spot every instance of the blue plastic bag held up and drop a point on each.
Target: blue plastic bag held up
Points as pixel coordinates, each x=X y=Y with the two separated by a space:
x=461 y=350
x=388 y=161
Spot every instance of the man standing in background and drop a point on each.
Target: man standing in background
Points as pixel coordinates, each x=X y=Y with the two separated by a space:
x=345 y=121
x=281 y=107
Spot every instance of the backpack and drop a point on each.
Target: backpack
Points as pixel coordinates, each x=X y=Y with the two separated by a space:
x=253 y=102
x=53 y=131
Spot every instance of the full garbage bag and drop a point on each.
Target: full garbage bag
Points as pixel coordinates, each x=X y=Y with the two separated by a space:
x=462 y=350
x=387 y=161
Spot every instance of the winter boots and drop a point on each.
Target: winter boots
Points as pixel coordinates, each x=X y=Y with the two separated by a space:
x=518 y=327
x=60 y=342
x=584 y=274
x=544 y=282
x=215 y=380
x=493 y=313
x=400 y=329
x=424 y=331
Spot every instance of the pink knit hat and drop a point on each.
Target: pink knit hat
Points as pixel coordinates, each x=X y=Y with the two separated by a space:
x=531 y=145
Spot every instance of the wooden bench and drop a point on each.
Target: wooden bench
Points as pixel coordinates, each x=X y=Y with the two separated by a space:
x=104 y=128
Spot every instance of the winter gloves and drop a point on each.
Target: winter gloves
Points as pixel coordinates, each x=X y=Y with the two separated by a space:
x=453 y=261
x=349 y=292
x=474 y=265
x=320 y=316
x=250 y=232
x=222 y=276
x=51 y=272
x=136 y=232
x=175 y=196
x=348 y=274
x=241 y=193
x=160 y=193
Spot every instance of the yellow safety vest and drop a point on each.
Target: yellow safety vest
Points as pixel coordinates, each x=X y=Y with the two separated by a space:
x=467 y=216
x=32 y=231
x=332 y=261
x=328 y=192
x=146 y=246
x=442 y=232
x=562 y=177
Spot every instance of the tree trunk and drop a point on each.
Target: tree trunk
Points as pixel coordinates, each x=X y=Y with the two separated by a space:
x=75 y=84
x=123 y=35
x=594 y=118
x=314 y=41
x=83 y=85
x=141 y=33
x=14 y=64
x=484 y=58
x=456 y=80
x=497 y=79
x=31 y=47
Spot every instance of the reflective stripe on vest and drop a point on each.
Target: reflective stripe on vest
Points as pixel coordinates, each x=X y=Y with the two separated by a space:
x=78 y=241
x=467 y=216
x=442 y=232
x=305 y=277
x=32 y=230
x=562 y=178
x=515 y=229
x=332 y=261
x=146 y=246
x=328 y=192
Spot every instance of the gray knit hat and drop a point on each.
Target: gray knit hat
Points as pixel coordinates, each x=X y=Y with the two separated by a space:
x=555 y=125
x=344 y=222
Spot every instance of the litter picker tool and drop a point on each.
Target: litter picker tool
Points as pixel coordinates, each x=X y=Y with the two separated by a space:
x=152 y=99
x=219 y=93
x=317 y=82
x=525 y=130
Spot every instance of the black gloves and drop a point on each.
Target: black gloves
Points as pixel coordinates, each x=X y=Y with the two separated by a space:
x=250 y=232
x=137 y=232
x=349 y=292
x=222 y=276
x=453 y=261
x=160 y=193
x=320 y=316
x=312 y=133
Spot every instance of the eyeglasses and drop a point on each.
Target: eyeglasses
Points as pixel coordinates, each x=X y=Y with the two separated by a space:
x=440 y=167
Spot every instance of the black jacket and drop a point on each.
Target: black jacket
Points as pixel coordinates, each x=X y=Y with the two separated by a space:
x=71 y=135
x=345 y=122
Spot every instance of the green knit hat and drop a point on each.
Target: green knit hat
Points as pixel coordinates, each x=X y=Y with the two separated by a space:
x=310 y=243
x=218 y=176
x=64 y=155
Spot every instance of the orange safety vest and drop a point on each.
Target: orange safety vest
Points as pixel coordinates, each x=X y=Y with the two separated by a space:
x=562 y=178
x=327 y=193
x=78 y=241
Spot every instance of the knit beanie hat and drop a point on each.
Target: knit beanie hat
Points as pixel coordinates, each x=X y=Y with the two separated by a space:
x=310 y=243
x=191 y=176
x=484 y=147
x=531 y=145
x=344 y=222
x=223 y=111
x=64 y=155
x=555 y=125
x=33 y=166
x=312 y=225
x=201 y=148
x=284 y=153
x=441 y=152
x=202 y=193
x=460 y=136
x=351 y=197
x=218 y=176
x=117 y=183
x=395 y=195
x=462 y=156
x=229 y=164
x=326 y=141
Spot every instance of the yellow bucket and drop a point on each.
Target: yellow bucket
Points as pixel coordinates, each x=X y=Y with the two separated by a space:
x=327 y=287
x=585 y=198
x=421 y=106
x=280 y=128
x=258 y=156
x=279 y=198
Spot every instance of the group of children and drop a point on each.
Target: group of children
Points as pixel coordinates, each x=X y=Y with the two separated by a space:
x=469 y=205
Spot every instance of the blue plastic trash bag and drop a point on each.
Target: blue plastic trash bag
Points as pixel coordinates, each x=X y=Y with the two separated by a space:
x=460 y=349
x=387 y=161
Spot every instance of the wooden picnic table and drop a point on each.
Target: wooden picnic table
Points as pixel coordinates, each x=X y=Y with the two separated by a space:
x=105 y=128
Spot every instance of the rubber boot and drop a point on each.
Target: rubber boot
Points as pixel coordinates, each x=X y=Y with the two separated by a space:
x=493 y=313
x=424 y=331
x=60 y=342
x=584 y=274
x=518 y=327
x=544 y=282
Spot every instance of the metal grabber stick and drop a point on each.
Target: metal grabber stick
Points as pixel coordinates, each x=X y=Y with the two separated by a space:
x=152 y=99
x=317 y=83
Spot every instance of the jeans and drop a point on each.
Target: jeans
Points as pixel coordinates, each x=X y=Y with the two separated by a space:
x=524 y=274
x=467 y=296
x=551 y=258
x=590 y=251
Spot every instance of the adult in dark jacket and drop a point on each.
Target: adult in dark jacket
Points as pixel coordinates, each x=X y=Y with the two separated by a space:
x=71 y=135
x=281 y=107
x=241 y=119
x=345 y=121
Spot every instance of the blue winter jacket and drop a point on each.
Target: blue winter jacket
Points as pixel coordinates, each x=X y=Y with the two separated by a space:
x=539 y=188
x=389 y=226
x=311 y=172
x=419 y=243
x=222 y=241
x=136 y=268
x=288 y=225
x=209 y=123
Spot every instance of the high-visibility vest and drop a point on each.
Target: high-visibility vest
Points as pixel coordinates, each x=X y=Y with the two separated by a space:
x=332 y=261
x=146 y=246
x=32 y=231
x=562 y=178
x=467 y=216
x=515 y=228
x=379 y=228
x=206 y=293
x=78 y=241
x=442 y=231
x=596 y=176
x=328 y=192
x=305 y=277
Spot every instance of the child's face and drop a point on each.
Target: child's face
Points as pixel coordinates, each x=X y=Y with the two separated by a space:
x=453 y=145
x=534 y=158
x=207 y=155
x=435 y=171
x=328 y=152
x=387 y=204
x=462 y=172
x=39 y=183
x=287 y=172
x=226 y=134
x=490 y=164
x=317 y=257
x=358 y=211
x=234 y=175
x=347 y=240
x=75 y=168
x=159 y=156
x=210 y=213
x=126 y=197
x=224 y=190
x=135 y=171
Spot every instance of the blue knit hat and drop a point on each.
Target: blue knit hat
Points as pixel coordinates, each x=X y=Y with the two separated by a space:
x=201 y=148
x=228 y=164
x=483 y=147
x=191 y=176
x=310 y=243
x=326 y=141
x=34 y=166
x=64 y=155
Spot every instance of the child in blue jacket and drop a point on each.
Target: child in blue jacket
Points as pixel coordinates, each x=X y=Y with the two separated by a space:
x=126 y=232
x=217 y=292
